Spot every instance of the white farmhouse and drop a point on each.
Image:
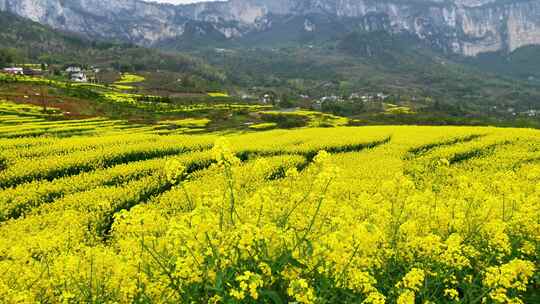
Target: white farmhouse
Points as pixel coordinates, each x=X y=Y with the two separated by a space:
x=73 y=69
x=79 y=77
x=14 y=71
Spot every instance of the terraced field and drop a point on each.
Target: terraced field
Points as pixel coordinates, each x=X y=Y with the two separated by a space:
x=100 y=211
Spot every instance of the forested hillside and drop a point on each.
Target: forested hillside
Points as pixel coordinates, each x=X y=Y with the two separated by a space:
x=438 y=87
x=25 y=41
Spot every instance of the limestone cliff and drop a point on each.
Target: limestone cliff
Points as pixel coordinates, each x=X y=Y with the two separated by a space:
x=467 y=27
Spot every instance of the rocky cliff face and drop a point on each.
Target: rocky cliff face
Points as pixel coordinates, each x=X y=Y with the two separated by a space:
x=467 y=27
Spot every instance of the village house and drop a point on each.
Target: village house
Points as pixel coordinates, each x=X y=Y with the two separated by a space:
x=73 y=69
x=269 y=98
x=382 y=96
x=332 y=98
x=13 y=71
x=531 y=113
x=265 y=98
x=78 y=77
x=354 y=96
x=76 y=74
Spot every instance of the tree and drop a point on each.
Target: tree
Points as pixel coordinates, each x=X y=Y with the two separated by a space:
x=285 y=101
x=43 y=99
x=7 y=56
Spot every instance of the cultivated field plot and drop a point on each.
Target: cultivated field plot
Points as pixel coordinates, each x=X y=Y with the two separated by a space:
x=383 y=215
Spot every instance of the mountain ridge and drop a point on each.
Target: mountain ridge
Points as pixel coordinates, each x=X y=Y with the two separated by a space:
x=465 y=27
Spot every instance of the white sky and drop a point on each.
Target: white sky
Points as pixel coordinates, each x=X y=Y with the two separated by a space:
x=178 y=1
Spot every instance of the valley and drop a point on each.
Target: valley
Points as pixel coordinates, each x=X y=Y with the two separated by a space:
x=270 y=151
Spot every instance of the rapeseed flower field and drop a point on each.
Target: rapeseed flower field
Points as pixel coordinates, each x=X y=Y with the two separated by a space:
x=323 y=215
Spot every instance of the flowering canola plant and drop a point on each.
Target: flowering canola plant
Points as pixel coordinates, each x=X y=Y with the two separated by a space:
x=341 y=215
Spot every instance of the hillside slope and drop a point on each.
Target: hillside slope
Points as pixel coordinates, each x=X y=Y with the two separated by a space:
x=356 y=63
x=31 y=41
x=361 y=63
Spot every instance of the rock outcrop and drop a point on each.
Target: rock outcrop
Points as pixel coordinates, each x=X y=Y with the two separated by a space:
x=467 y=27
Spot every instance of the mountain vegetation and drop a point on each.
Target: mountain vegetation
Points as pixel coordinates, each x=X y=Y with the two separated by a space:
x=523 y=63
x=368 y=63
x=32 y=42
x=302 y=68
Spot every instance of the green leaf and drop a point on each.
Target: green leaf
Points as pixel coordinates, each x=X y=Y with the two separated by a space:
x=272 y=295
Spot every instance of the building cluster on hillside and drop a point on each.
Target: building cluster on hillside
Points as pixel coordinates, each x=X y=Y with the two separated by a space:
x=74 y=73
x=352 y=97
x=268 y=98
x=78 y=74
x=531 y=113
x=13 y=71
x=26 y=71
x=223 y=51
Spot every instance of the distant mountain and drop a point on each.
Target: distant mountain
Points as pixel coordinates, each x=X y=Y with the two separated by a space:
x=466 y=27
x=298 y=48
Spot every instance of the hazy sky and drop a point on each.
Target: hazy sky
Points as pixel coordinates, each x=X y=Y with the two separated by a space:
x=178 y=1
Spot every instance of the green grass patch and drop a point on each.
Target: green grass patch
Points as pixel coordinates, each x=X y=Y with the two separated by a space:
x=395 y=109
x=302 y=118
x=218 y=94
x=122 y=87
x=130 y=78
x=186 y=123
x=264 y=126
